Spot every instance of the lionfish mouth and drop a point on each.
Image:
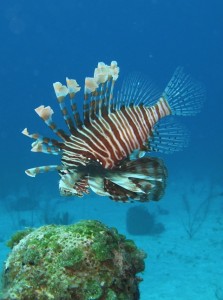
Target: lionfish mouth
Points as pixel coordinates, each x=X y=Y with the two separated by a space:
x=104 y=149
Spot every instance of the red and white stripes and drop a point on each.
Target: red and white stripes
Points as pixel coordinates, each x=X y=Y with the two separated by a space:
x=111 y=138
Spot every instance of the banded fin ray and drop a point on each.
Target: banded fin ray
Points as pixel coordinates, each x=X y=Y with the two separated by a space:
x=61 y=92
x=32 y=172
x=45 y=113
x=43 y=144
x=143 y=179
x=98 y=93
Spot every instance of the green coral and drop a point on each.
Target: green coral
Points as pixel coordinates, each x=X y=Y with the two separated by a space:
x=83 y=261
x=15 y=239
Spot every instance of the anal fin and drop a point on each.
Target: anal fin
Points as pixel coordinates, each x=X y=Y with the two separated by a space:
x=168 y=137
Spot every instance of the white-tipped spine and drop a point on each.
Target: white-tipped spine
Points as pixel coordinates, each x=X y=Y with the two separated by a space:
x=60 y=90
x=44 y=112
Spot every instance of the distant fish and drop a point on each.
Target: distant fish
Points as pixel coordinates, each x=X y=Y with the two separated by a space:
x=105 y=149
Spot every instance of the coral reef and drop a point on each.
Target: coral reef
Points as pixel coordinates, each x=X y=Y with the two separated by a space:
x=16 y=237
x=83 y=261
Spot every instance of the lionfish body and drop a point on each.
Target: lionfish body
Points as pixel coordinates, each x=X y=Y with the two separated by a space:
x=105 y=150
x=114 y=136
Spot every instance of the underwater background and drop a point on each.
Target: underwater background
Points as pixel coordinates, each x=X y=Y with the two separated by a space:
x=45 y=41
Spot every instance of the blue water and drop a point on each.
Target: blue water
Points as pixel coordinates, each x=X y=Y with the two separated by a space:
x=45 y=41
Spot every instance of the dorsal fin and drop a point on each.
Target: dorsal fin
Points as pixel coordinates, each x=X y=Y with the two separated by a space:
x=61 y=92
x=40 y=138
x=137 y=89
x=45 y=113
x=98 y=93
x=73 y=88
x=43 y=144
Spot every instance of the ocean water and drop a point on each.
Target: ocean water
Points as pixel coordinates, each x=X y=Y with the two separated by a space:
x=45 y=41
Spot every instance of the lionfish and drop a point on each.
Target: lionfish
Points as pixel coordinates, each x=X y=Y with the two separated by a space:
x=105 y=149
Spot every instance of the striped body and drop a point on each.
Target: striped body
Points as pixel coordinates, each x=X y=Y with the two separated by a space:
x=103 y=149
x=112 y=138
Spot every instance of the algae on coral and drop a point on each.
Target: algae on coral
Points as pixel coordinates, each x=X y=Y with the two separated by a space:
x=84 y=261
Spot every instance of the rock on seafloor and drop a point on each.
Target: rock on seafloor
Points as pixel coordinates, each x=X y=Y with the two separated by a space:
x=86 y=260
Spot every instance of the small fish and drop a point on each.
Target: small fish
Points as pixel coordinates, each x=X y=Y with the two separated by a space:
x=105 y=149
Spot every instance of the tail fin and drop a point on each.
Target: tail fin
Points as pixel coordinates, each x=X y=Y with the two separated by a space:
x=184 y=95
